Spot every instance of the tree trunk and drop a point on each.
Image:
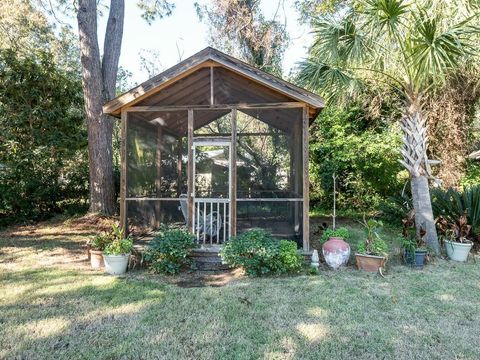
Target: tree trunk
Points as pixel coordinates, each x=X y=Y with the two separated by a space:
x=414 y=152
x=98 y=86
x=423 y=211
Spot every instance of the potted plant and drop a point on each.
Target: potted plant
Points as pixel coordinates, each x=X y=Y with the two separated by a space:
x=372 y=252
x=455 y=238
x=414 y=247
x=95 y=249
x=414 y=252
x=117 y=253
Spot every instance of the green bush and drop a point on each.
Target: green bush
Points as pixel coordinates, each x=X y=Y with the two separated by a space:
x=362 y=152
x=261 y=254
x=168 y=252
x=329 y=232
x=43 y=139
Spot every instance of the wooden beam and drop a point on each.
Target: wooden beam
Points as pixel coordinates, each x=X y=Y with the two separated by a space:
x=158 y=177
x=233 y=176
x=211 y=86
x=306 y=182
x=190 y=179
x=179 y=166
x=239 y=106
x=123 y=174
x=297 y=170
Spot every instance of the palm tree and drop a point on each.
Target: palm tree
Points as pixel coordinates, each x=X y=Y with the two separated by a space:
x=410 y=46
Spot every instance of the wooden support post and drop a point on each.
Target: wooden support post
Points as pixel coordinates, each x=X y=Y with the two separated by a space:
x=158 y=177
x=212 y=99
x=306 y=181
x=190 y=179
x=297 y=172
x=233 y=176
x=123 y=174
x=179 y=166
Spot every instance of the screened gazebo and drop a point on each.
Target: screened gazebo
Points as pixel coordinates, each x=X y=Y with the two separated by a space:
x=218 y=146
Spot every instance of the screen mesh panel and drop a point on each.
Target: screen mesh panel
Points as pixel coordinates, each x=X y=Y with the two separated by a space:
x=149 y=214
x=269 y=161
x=156 y=159
x=282 y=218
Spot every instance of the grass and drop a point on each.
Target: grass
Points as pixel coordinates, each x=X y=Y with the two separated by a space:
x=53 y=306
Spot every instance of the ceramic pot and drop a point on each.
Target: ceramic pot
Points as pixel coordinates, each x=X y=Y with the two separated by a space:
x=336 y=252
x=458 y=251
x=116 y=264
x=96 y=259
x=370 y=263
x=417 y=259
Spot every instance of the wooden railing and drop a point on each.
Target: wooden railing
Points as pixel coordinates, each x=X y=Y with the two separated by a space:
x=211 y=218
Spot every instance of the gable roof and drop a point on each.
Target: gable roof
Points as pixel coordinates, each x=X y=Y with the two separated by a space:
x=207 y=57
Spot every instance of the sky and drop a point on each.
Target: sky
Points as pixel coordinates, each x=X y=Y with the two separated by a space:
x=184 y=30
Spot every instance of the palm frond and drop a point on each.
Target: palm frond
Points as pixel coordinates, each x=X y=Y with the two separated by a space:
x=434 y=51
x=331 y=81
x=339 y=40
x=385 y=15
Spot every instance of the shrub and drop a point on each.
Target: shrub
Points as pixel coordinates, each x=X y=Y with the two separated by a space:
x=261 y=254
x=43 y=139
x=329 y=232
x=168 y=252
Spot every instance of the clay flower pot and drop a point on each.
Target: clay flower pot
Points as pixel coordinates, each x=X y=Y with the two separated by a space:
x=336 y=252
x=96 y=259
x=370 y=263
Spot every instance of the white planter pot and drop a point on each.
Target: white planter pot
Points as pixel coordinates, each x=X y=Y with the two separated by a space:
x=116 y=264
x=457 y=251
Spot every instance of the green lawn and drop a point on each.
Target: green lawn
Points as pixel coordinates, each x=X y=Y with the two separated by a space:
x=52 y=306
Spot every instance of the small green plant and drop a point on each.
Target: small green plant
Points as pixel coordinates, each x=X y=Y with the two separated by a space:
x=313 y=270
x=119 y=247
x=261 y=254
x=412 y=242
x=373 y=244
x=329 y=232
x=101 y=241
x=168 y=252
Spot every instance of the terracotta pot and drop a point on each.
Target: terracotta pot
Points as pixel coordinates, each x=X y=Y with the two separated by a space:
x=370 y=263
x=96 y=259
x=336 y=252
